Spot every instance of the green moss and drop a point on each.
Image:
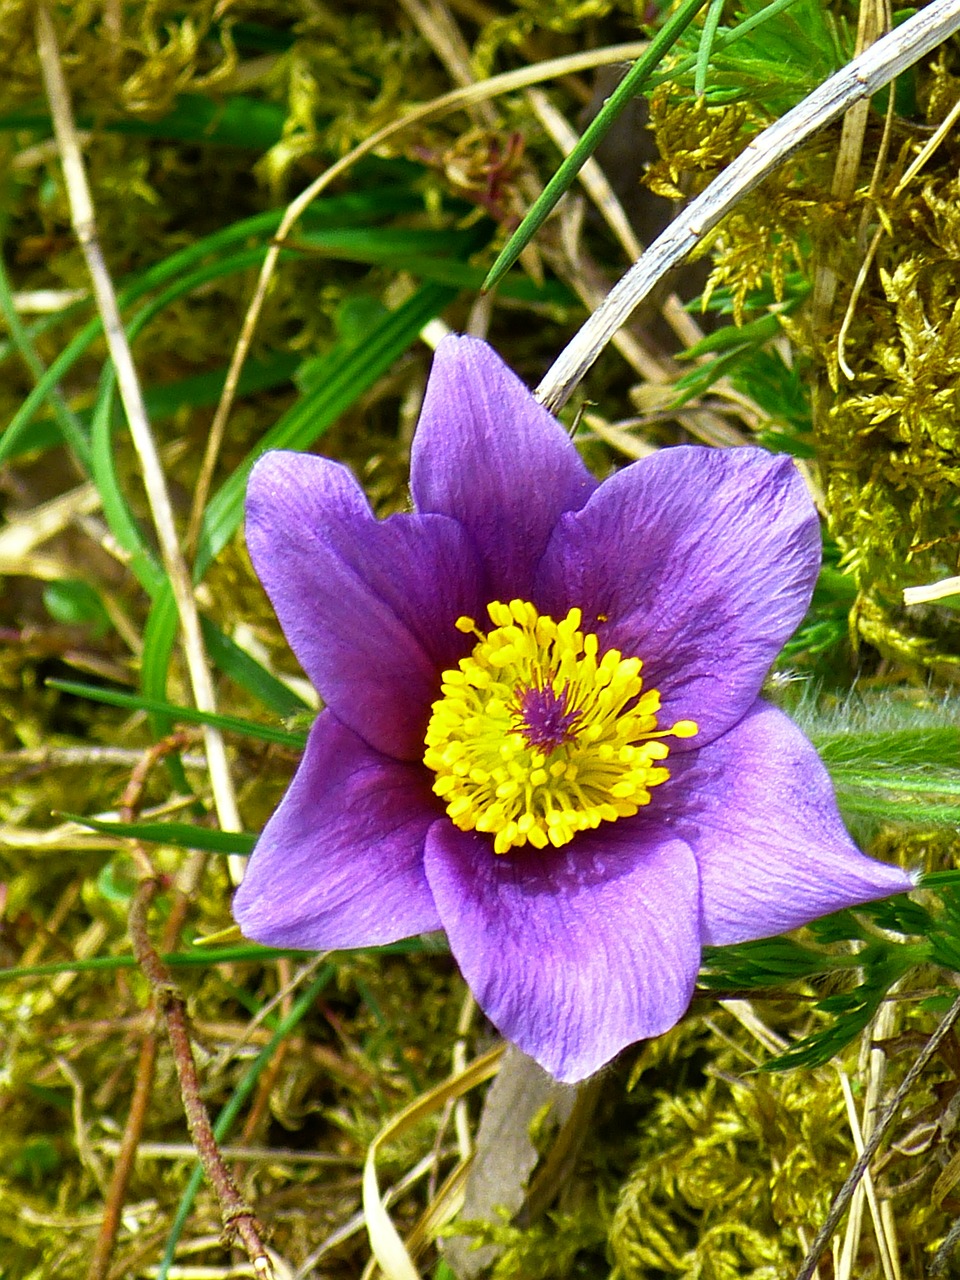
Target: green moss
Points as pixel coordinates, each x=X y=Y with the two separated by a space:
x=886 y=435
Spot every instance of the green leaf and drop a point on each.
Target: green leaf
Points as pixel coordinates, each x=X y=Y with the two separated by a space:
x=775 y=55
x=75 y=603
x=882 y=749
x=735 y=335
x=850 y=1012
x=767 y=963
x=181 y=834
x=179 y=714
x=235 y=122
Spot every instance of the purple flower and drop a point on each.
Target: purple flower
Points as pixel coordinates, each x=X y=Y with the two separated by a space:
x=542 y=731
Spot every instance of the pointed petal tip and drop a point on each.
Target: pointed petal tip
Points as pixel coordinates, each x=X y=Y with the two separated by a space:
x=771 y=846
x=489 y=455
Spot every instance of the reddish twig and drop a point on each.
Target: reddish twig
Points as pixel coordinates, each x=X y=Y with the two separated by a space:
x=239 y=1222
x=143 y=1082
x=123 y=1168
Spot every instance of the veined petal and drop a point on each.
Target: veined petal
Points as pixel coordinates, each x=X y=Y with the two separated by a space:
x=703 y=562
x=757 y=807
x=340 y=862
x=572 y=953
x=487 y=454
x=367 y=605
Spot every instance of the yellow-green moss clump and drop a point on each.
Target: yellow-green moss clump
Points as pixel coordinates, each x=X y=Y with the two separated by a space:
x=879 y=330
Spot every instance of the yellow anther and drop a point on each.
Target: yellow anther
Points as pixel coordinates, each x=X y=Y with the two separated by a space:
x=685 y=729
x=539 y=736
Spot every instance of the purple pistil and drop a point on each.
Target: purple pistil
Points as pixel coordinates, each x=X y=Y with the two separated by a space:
x=545 y=721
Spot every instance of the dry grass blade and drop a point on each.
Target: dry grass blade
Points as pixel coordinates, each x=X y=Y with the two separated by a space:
x=389 y=1251
x=874 y=21
x=594 y=181
x=845 y=1194
x=932 y=591
x=84 y=223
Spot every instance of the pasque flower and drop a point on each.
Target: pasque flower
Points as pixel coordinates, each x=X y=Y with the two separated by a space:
x=541 y=729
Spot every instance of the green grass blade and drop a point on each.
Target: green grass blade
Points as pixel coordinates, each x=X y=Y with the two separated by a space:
x=122 y=523
x=182 y=715
x=236 y=663
x=43 y=324
x=70 y=427
x=11 y=441
x=710 y=24
x=561 y=181
x=360 y=207
x=159 y=638
x=182 y=834
x=197 y=957
x=200 y=957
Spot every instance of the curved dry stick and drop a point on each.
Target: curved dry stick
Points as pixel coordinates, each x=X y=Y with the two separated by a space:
x=239 y=1221
x=861 y=78
x=506 y=83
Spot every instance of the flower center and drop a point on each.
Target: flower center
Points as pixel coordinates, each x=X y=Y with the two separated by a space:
x=537 y=738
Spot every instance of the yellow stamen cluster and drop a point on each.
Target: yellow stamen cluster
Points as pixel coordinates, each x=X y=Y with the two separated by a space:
x=537 y=736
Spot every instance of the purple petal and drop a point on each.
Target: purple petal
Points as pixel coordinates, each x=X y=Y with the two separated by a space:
x=572 y=953
x=486 y=453
x=340 y=862
x=759 y=812
x=704 y=561
x=367 y=605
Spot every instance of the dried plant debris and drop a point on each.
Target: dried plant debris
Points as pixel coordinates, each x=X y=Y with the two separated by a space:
x=709 y=1153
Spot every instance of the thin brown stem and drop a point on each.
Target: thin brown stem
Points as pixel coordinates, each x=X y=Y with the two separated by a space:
x=146 y=1065
x=126 y=1156
x=239 y=1222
